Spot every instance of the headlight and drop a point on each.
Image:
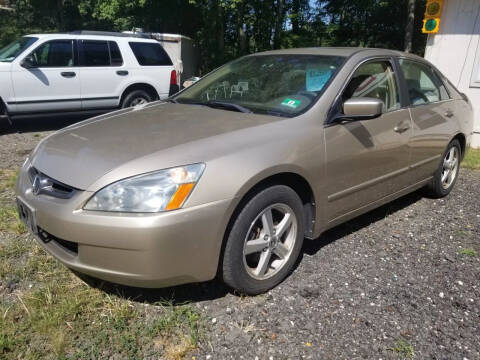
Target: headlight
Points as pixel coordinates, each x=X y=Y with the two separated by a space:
x=154 y=192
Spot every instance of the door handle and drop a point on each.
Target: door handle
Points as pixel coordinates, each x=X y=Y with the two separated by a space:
x=68 y=74
x=122 y=72
x=449 y=113
x=402 y=127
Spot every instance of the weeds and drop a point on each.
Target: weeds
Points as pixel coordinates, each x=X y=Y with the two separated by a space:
x=61 y=316
x=10 y=222
x=468 y=252
x=403 y=348
x=8 y=178
x=472 y=159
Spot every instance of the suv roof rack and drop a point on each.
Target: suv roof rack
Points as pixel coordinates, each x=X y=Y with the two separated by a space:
x=108 y=33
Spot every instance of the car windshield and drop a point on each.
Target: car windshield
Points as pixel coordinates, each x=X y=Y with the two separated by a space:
x=282 y=85
x=11 y=51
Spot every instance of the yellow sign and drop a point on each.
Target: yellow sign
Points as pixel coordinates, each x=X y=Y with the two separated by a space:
x=433 y=12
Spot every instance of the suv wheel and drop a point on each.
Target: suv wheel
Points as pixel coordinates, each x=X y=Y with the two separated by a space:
x=265 y=241
x=136 y=97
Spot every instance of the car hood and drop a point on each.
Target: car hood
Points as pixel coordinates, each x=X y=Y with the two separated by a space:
x=170 y=134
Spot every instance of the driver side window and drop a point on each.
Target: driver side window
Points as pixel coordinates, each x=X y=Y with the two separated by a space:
x=57 y=53
x=375 y=79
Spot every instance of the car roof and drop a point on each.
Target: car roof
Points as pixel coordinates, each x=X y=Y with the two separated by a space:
x=93 y=36
x=340 y=51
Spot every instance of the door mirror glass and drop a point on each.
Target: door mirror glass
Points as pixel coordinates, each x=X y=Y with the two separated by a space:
x=363 y=108
x=190 y=81
x=29 y=62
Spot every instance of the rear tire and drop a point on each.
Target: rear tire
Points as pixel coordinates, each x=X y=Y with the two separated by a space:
x=447 y=173
x=136 y=97
x=265 y=241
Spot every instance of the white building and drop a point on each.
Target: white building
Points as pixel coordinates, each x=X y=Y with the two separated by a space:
x=455 y=50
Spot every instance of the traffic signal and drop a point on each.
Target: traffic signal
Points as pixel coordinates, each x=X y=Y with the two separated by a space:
x=431 y=22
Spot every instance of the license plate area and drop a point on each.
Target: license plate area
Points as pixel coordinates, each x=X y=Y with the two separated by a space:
x=27 y=216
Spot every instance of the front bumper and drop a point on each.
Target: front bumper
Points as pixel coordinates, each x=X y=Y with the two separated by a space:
x=145 y=250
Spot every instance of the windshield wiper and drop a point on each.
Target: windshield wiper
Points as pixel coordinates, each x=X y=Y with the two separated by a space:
x=173 y=101
x=227 y=106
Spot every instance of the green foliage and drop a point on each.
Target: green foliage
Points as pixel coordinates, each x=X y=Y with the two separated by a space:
x=404 y=349
x=61 y=317
x=472 y=159
x=468 y=252
x=226 y=29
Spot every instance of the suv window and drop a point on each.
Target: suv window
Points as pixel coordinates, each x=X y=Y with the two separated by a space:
x=96 y=53
x=377 y=80
x=11 y=51
x=115 y=54
x=55 y=53
x=150 y=54
x=101 y=53
x=423 y=84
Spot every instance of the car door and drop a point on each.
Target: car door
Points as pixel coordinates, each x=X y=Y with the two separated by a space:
x=432 y=110
x=47 y=78
x=102 y=74
x=367 y=160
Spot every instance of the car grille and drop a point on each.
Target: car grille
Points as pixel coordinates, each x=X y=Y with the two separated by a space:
x=43 y=184
x=69 y=246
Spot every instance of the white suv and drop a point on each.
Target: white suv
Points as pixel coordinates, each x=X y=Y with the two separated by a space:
x=82 y=71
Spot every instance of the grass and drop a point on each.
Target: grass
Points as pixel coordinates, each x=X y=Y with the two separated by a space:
x=472 y=159
x=9 y=220
x=404 y=349
x=59 y=316
x=468 y=252
x=8 y=179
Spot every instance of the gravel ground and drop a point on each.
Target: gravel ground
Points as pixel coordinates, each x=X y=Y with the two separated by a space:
x=399 y=282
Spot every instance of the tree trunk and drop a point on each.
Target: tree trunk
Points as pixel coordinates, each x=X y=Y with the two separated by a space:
x=241 y=36
x=60 y=16
x=220 y=34
x=409 y=27
x=296 y=16
x=278 y=24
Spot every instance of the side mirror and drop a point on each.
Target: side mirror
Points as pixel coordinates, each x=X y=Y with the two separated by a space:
x=362 y=108
x=28 y=62
x=190 y=81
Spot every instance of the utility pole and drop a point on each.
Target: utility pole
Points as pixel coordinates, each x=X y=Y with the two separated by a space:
x=409 y=27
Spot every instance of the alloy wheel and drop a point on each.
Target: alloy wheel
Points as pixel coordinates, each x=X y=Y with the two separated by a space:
x=450 y=167
x=270 y=241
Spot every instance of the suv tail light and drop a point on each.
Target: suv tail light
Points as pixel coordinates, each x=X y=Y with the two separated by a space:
x=174 y=88
x=173 y=78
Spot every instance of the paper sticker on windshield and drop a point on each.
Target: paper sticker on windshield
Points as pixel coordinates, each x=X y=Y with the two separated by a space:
x=291 y=103
x=317 y=77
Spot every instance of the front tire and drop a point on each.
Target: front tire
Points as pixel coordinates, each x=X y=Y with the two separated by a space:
x=136 y=97
x=447 y=173
x=265 y=241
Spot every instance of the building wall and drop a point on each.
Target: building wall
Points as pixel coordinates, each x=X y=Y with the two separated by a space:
x=455 y=50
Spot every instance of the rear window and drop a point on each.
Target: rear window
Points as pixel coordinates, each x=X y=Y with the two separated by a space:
x=101 y=53
x=115 y=54
x=150 y=54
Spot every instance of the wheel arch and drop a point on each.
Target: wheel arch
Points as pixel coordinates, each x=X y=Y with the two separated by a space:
x=288 y=178
x=139 y=86
x=462 y=139
x=3 y=107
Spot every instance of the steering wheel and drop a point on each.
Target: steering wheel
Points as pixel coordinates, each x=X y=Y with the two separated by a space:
x=414 y=93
